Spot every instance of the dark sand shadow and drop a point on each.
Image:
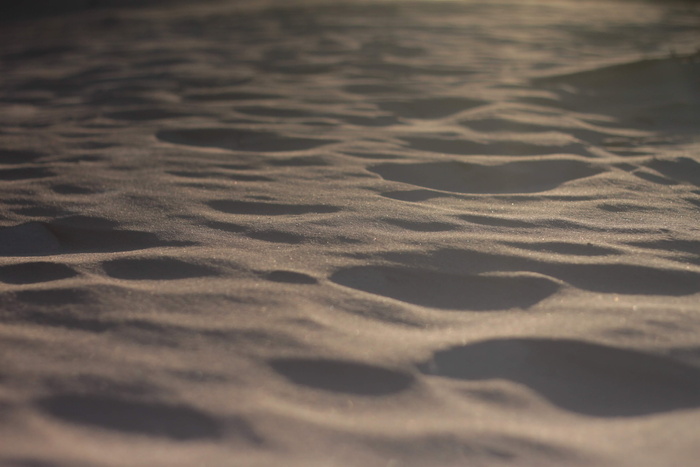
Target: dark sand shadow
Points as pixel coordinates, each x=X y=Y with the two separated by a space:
x=343 y=377
x=590 y=379
x=448 y=291
x=159 y=419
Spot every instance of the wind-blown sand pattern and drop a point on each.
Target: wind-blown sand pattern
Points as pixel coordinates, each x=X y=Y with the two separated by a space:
x=396 y=233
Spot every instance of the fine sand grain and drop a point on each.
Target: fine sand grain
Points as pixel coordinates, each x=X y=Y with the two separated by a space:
x=315 y=233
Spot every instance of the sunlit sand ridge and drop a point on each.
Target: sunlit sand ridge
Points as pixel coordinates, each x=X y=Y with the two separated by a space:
x=369 y=234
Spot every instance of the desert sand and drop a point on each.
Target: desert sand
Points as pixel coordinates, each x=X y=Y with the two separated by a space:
x=388 y=233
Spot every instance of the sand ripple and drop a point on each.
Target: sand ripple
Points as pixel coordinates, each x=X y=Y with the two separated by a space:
x=388 y=233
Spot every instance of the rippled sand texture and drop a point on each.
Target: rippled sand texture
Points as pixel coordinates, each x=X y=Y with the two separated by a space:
x=325 y=234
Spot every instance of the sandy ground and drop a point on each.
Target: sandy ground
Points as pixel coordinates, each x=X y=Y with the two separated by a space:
x=368 y=234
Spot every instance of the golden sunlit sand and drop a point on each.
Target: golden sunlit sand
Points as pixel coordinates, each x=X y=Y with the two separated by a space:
x=396 y=233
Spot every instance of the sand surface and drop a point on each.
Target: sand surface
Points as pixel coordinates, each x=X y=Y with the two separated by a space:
x=350 y=234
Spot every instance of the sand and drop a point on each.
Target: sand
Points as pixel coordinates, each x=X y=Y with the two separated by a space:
x=381 y=233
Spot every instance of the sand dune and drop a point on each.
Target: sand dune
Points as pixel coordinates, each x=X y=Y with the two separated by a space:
x=397 y=233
